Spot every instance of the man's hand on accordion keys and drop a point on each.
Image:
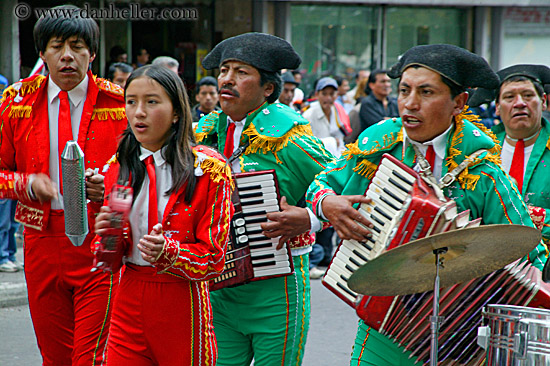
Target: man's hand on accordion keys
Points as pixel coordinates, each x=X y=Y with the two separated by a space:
x=348 y=222
x=291 y=221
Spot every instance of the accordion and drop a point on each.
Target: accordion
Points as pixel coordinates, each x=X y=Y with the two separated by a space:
x=250 y=255
x=403 y=208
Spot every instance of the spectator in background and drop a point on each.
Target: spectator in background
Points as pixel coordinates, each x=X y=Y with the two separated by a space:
x=116 y=54
x=207 y=98
x=360 y=79
x=168 y=62
x=142 y=58
x=298 y=93
x=289 y=89
x=354 y=119
x=119 y=73
x=329 y=121
x=342 y=98
x=378 y=105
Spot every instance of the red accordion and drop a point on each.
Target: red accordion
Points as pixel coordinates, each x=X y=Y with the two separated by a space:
x=251 y=256
x=403 y=208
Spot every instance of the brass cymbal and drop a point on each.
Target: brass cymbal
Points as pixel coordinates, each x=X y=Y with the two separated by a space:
x=471 y=253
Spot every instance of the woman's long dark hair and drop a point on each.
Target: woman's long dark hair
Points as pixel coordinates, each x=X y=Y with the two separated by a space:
x=179 y=144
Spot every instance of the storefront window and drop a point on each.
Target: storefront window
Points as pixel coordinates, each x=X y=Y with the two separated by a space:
x=526 y=36
x=334 y=40
x=408 y=27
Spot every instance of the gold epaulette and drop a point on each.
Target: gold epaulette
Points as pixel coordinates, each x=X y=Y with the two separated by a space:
x=388 y=141
x=216 y=168
x=207 y=124
x=23 y=88
x=109 y=87
x=272 y=144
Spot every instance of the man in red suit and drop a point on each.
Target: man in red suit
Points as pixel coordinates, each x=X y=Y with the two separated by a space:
x=69 y=305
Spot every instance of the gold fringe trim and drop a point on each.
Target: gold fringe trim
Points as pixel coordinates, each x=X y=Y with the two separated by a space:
x=548 y=144
x=387 y=142
x=103 y=113
x=217 y=169
x=20 y=111
x=27 y=87
x=274 y=144
x=199 y=137
x=366 y=168
x=207 y=127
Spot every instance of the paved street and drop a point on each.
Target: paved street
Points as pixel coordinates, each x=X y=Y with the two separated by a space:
x=331 y=335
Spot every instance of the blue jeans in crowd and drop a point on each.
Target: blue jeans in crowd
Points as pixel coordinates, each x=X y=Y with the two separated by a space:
x=8 y=228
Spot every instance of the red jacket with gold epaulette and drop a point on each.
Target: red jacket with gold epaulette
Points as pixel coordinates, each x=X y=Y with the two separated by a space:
x=25 y=145
x=196 y=232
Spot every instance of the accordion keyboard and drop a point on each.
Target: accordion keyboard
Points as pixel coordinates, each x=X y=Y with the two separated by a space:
x=258 y=196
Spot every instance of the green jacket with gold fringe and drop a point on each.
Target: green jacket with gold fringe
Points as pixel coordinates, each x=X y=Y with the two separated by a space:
x=280 y=139
x=482 y=187
x=536 y=182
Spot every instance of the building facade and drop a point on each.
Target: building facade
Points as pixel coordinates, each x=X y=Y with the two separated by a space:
x=333 y=37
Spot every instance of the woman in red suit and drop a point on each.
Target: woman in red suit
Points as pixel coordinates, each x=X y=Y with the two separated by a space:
x=161 y=314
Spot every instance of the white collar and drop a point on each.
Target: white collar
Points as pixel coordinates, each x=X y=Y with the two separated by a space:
x=76 y=94
x=439 y=143
x=241 y=122
x=157 y=155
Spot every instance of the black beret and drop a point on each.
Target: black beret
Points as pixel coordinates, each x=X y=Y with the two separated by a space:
x=537 y=73
x=263 y=51
x=464 y=68
x=289 y=78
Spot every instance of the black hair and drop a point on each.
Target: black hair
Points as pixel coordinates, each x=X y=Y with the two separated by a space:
x=539 y=88
x=179 y=144
x=275 y=79
x=207 y=80
x=372 y=78
x=116 y=51
x=120 y=66
x=68 y=23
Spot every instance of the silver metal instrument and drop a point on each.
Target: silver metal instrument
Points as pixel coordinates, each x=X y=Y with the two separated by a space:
x=74 y=193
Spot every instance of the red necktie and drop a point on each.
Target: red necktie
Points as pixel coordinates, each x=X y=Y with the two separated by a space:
x=228 y=149
x=430 y=156
x=516 y=169
x=65 y=130
x=153 y=206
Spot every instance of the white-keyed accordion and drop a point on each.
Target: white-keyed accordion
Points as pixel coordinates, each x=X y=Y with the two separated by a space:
x=251 y=256
x=405 y=208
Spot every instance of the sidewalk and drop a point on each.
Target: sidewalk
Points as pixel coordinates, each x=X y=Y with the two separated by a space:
x=13 y=289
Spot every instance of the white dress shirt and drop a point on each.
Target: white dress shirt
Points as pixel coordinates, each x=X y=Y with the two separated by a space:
x=77 y=96
x=507 y=155
x=439 y=144
x=139 y=216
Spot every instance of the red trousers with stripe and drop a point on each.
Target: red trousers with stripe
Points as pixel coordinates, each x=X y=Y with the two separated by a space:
x=161 y=320
x=70 y=307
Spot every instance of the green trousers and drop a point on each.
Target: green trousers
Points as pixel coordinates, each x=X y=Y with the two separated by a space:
x=373 y=349
x=264 y=320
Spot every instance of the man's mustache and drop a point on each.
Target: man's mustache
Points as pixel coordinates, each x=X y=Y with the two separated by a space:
x=230 y=90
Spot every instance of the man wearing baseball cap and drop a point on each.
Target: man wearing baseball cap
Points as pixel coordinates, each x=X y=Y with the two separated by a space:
x=328 y=119
x=264 y=320
x=433 y=124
